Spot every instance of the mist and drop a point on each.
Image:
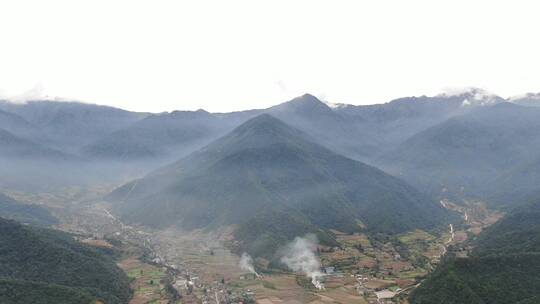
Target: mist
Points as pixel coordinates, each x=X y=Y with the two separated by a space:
x=299 y=256
x=246 y=263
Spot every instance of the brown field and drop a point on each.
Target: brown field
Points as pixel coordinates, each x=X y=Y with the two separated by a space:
x=374 y=284
x=285 y=289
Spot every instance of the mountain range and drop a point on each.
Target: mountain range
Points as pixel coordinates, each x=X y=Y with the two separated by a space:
x=469 y=154
x=471 y=143
x=302 y=166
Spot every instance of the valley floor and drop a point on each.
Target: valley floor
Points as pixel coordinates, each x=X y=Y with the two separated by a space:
x=201 y=269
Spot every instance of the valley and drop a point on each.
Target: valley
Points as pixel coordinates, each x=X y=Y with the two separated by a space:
x=201 y=268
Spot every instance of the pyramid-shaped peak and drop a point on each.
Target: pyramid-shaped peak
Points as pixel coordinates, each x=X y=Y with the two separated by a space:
x=264 y=123
x=306 y=99
x=307 y=104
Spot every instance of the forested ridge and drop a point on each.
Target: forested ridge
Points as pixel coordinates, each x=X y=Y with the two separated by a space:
x=48 y=266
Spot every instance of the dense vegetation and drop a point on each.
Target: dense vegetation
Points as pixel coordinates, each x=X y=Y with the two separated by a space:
x=28 y=214
x=48 y=266
x=275 y=183
x=503 y=267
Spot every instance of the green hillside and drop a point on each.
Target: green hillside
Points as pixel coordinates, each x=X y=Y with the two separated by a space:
x=503 y=268
x=46 y=265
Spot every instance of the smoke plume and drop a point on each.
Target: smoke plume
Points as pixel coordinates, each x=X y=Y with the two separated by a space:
x=299 y=255
x=246 y=263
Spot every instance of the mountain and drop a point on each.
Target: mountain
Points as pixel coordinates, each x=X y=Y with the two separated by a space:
x=15 y=124
x=162 y=135
x=503 y=267
x=14 y=147
x=515 y=186
x=182 y=132
x=529 y=99
x=358 y=132
x=273 y=182
x=331 y=129
x=70 y=125
x=25 y=213
x=465 y=153
x=47 y=266
x=518 y=232
x=390 y=124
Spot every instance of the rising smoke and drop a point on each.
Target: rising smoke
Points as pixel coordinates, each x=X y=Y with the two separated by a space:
x=246 y=263
x=299 y=255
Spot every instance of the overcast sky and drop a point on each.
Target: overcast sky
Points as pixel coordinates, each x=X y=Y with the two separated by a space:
x=232 y=55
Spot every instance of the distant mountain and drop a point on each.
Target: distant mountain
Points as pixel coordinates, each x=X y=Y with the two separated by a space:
x=465 y=153
x=358 y=132
x=274 y=182
x=25 y=213
x=529 y=99
x=181 y=132
x=47 y=266
x=162 y=135
x=503 y=268
x=326 y=126
x=14 y=147
x=69 y=125
x=390 y=124
x=15 y=124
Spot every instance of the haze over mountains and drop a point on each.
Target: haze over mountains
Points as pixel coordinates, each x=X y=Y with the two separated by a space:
x=403 y=136
x=274 y=183
x=267 y=176
x=425 y=140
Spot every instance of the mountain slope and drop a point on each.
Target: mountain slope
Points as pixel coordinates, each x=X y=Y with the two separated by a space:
x=310 y=115
x=359 y=132
x=28 y=214
x=16 y=124
x=70 y=125
x=55 y=264
x=271 y=178
x=529 y=99
x=517 y=185
x=503 y=268
x=388 y=125
x=465 y=153
x=12 y=146
x=162 y=135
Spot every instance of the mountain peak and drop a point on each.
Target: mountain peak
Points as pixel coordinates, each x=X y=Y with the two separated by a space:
x=306 y=99
x=308 y=96
x=306 y=104
x=473 y=96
